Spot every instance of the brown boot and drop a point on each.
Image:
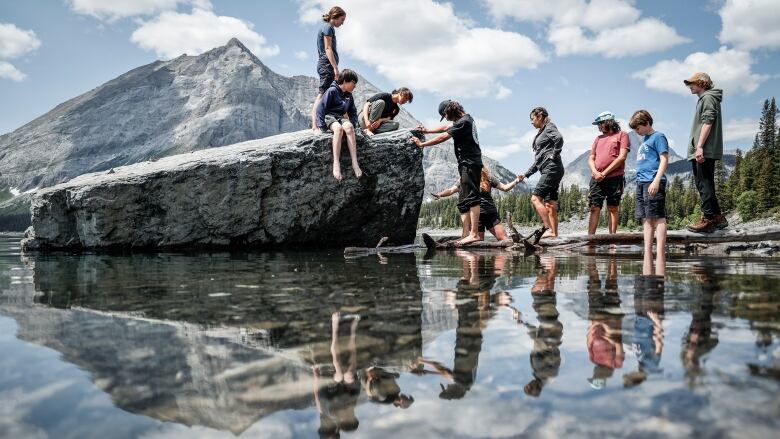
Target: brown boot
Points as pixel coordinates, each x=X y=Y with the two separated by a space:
x=720 y=221
x=705 y=225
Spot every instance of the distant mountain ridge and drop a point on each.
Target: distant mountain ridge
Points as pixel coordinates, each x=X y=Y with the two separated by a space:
x=221 y=97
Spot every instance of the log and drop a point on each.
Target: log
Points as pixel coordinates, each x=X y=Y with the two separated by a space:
x=768 y=233
x=449 y=243
x=377 y=250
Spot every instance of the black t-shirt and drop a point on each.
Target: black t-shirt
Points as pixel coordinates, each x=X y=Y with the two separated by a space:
x=391 y=108
x=464 y=135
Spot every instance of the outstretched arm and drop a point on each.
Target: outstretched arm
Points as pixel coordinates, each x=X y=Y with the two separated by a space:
x=505 y=187
x=447 y=192
x=441 y=138
x=436 y=130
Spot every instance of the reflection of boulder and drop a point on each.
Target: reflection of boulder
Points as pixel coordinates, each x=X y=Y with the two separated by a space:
x=273 y=191
x=218 y=340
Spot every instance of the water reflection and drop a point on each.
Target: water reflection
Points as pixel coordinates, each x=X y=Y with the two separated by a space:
x=291 y=345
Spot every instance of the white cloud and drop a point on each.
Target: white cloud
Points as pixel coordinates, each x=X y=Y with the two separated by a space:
x=171 y=34
x=740 y=129
x=576 y=140
x=435 y=51
x=503 y=92
x=730 y=69
x=301 y=55
x=116 y=9
x=483 y=123
x=8 y=71
x=751 y=24
x=611 y=28
x=15 y=42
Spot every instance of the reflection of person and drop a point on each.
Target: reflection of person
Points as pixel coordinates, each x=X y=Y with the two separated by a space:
x=463 y=133
x=473 y=298
x=607 y=166
x=605 y=338
x=337 y=398
x=547 y=335
x=489 y=217
x=648 y=342
x=700 y=338
x=547 y=146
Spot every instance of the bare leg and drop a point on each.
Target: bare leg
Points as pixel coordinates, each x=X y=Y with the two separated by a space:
x=593 y=221
x=541 y=209
x=499 y=232
x=314 y=113
x=337 y=131
x=660 y=238
x=647 y=261
x=349 y=130
x=465 y=218
x=474 y=229
x=552 y=208
x=335 y=318
x=614 y=218
x=349 y=375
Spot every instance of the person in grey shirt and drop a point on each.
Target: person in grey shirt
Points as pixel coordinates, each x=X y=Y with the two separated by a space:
x=547 y=147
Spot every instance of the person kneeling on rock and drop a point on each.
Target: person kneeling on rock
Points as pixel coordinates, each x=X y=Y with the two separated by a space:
x=488 y=212
x=337 y=113
x=378 y=112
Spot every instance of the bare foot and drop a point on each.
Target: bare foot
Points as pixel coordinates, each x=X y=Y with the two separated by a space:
x=358 y=172
x=337 y=173
x=368 y=133
x=549 y=234
x=335 y=318
x=468 y=240
x=316 y=130
x=355 y=321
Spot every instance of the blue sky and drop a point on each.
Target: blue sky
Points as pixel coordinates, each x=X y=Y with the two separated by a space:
x=500 y=58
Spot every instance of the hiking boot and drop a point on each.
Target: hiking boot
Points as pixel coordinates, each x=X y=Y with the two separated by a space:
x=705 y=225
x=720 y=221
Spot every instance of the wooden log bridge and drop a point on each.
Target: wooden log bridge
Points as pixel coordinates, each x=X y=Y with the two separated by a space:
x=768 y=233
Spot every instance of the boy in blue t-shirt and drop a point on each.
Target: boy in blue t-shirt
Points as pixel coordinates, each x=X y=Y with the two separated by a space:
x=652 y=158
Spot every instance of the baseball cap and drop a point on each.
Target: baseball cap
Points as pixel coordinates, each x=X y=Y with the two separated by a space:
x=443 y=105
x=697 y=78
x=604 y=115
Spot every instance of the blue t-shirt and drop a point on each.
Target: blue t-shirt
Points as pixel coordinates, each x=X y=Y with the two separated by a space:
x=648 y=157
x=326 y=30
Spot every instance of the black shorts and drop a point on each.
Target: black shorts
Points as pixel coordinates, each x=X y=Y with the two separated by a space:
x=650 y=206
x=468 y=196
x=610 y=188
x=327 y=76
x=547 y=188
x=488 y=219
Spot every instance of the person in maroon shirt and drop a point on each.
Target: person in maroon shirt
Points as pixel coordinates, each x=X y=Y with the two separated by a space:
x=607 y=166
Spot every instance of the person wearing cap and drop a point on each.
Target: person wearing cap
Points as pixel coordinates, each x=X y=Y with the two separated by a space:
x=547 y=146
x=378 y=112
x=705 y=147
x=463 y=133
x=607 y=166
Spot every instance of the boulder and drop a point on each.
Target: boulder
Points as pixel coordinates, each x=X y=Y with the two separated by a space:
x=273 y=192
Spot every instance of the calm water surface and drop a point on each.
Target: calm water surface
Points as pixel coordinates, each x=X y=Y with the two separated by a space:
x=410 y=345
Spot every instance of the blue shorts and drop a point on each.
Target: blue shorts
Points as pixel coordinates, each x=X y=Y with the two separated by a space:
x=650 y=206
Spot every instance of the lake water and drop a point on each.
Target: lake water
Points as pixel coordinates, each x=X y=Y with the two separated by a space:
x=466 y=344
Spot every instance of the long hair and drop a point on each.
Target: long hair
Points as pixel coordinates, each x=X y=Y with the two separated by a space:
x=453 y=111
x=334 y=12
x=611 y=126
x=484 y=181
x=542 y=112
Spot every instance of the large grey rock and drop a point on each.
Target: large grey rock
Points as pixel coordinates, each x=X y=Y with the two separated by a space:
x=274 y=191
x=222 y=97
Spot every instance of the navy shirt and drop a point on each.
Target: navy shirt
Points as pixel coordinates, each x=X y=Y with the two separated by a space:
x=464 y=135
x=326 y=30
x=648 y=157
x=336 y=103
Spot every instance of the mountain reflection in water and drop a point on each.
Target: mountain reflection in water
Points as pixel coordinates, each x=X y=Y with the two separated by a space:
x=458 y=344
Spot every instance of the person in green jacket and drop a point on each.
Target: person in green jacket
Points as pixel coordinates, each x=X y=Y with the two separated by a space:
x=705 y=147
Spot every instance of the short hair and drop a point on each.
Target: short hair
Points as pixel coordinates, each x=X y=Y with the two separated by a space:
x=347 y=75
x=640 y=117
x=611 y=125
x=405 y=92
x=539 y=111
x=453 y=110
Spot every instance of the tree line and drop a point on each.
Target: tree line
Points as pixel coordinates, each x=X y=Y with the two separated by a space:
x=747 y=189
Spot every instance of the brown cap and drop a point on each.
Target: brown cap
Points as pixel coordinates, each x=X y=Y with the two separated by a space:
x=699 y=78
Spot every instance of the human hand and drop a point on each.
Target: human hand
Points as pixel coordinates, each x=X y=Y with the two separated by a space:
x=653 y=189
x=520 y=178
x=436 y=196
x=374 y=125
x=700 y=155
x=417 y=141
x=599 y=176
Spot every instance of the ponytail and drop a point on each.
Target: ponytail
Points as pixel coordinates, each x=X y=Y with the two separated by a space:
x=335 y=12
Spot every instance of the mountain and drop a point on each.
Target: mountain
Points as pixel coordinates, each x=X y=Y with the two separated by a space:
x=578 y=171
x=218 y=98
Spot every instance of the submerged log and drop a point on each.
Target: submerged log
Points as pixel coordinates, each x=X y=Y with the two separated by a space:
x=767 y=233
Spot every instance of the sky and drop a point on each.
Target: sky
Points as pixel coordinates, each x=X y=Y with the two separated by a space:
x=499 y=58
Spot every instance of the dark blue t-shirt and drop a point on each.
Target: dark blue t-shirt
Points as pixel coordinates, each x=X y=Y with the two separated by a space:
x=326 y=30
x=648 y=157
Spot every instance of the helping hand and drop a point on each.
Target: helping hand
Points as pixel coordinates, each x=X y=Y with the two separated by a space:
x=417 y=141
x=520 y=178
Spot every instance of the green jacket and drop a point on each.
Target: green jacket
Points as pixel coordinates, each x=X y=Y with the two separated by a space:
x=708 y=111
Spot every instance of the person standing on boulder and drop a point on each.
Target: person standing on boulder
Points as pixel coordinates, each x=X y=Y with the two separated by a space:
x=705 y=146
x=607 y=166
x=328 y=56
x=337 y=113
x=463 y=133
x=378 y=112
x=547 y=147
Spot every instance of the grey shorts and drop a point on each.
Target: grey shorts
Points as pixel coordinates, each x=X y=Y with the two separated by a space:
x=329 y=119
x=650 y=206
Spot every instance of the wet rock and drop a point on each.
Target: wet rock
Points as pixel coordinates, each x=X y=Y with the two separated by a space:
x=276 y=191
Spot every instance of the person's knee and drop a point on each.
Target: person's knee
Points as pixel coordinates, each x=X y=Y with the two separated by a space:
x=348 y=127
x=536 y=199
x=336 y=128
x=612 y=209
x=595 y=209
